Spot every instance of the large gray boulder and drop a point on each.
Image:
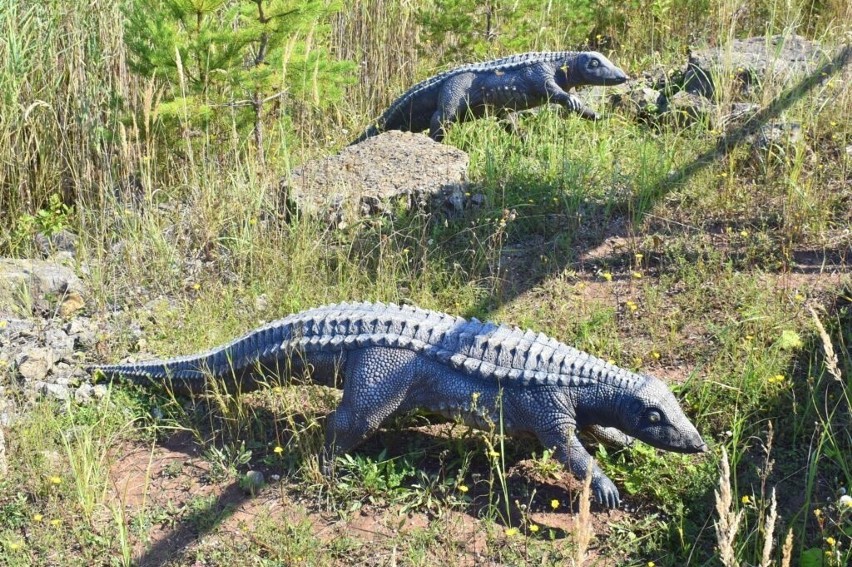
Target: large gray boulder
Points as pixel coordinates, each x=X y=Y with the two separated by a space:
x=24 y=282
x=752 y=63
x=373 y=176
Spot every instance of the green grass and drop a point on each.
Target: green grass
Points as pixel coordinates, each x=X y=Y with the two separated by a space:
x=707 y=281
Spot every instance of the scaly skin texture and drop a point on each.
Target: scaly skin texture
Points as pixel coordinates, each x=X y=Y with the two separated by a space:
x=392 y=359
x=503 y=85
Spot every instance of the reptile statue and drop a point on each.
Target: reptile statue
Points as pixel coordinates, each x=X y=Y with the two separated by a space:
x=391 y=359
x=503 y=85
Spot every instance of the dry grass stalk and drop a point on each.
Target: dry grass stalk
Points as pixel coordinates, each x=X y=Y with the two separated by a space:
x=769 y=531
x=728 y=522
x=830 y=357
x=583 y=524
x=787 y=550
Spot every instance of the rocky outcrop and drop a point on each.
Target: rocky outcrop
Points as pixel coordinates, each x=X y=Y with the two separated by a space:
x=375 y=176
x=743 y=69
x=24 y=284
x=749 y=64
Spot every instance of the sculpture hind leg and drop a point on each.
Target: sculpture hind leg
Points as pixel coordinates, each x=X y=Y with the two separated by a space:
x=376 y=382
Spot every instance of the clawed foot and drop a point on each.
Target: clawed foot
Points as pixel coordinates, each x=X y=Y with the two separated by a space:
x=605 y=492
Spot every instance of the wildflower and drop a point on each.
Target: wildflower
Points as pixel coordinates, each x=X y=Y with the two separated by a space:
x=554 y=503
x=845 y=502
x=611 y=361
x=196 y=286
x=744 y=233
x=818 y=513
x=607 y=276
x=655 y=355
x=637 y=275
x=463 y=488
x=631 y=305
x=493 y=454
x=511 y=532
x=475 y=396
x=55 y=480
x=3 y=324
x=533 y=528
x=37 y=517
x=639 y=256
x=16 y=545
x=746 y=499
x=777 y=379
x=799 y=297
x=55 y=522
x=278 y=449
x=830 y=541
x=651 y=564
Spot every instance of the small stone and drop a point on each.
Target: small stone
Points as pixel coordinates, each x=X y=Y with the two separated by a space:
x=55 y=391
x=62 y=241
x=261 y=303
x=33 y=364
x=60 y=343
x=83 y=394
x=252 y=482
x=478 y=200
x=72 y=303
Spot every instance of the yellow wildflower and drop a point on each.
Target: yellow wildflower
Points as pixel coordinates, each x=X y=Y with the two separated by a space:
x=651 y=564
x=830 y=541
x=278 y=449
x=37 y=518
x=744 y=233
x=655 y=355
x=463 y=488
x=817 y=512
x=631 y=305
x=16 y=545
x=637 y=275
x=55 y=480
x=533 y=528
x=55 y=522
x=746 y=499
x=607 y=276
x=639 y=256
x=493 y=454
x=196 y=286
x=511 y=532
x=554 y=503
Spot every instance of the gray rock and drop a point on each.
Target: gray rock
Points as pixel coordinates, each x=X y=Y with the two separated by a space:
x=84 y=393
x=252 y=482
x=4 y=464
x=374 y=176
x=83 y=331
x=34 y=363
x=59 y=342
x=55 y=391
x=752 y=62
x=638 y=100
x=62 y=242
x=24 y=282
x=684 y=108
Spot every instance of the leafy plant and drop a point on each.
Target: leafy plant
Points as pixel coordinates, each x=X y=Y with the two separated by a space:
x=231 y=60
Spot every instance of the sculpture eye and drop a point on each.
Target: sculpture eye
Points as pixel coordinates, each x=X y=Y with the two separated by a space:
x=653 y=416
x=594 y=63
